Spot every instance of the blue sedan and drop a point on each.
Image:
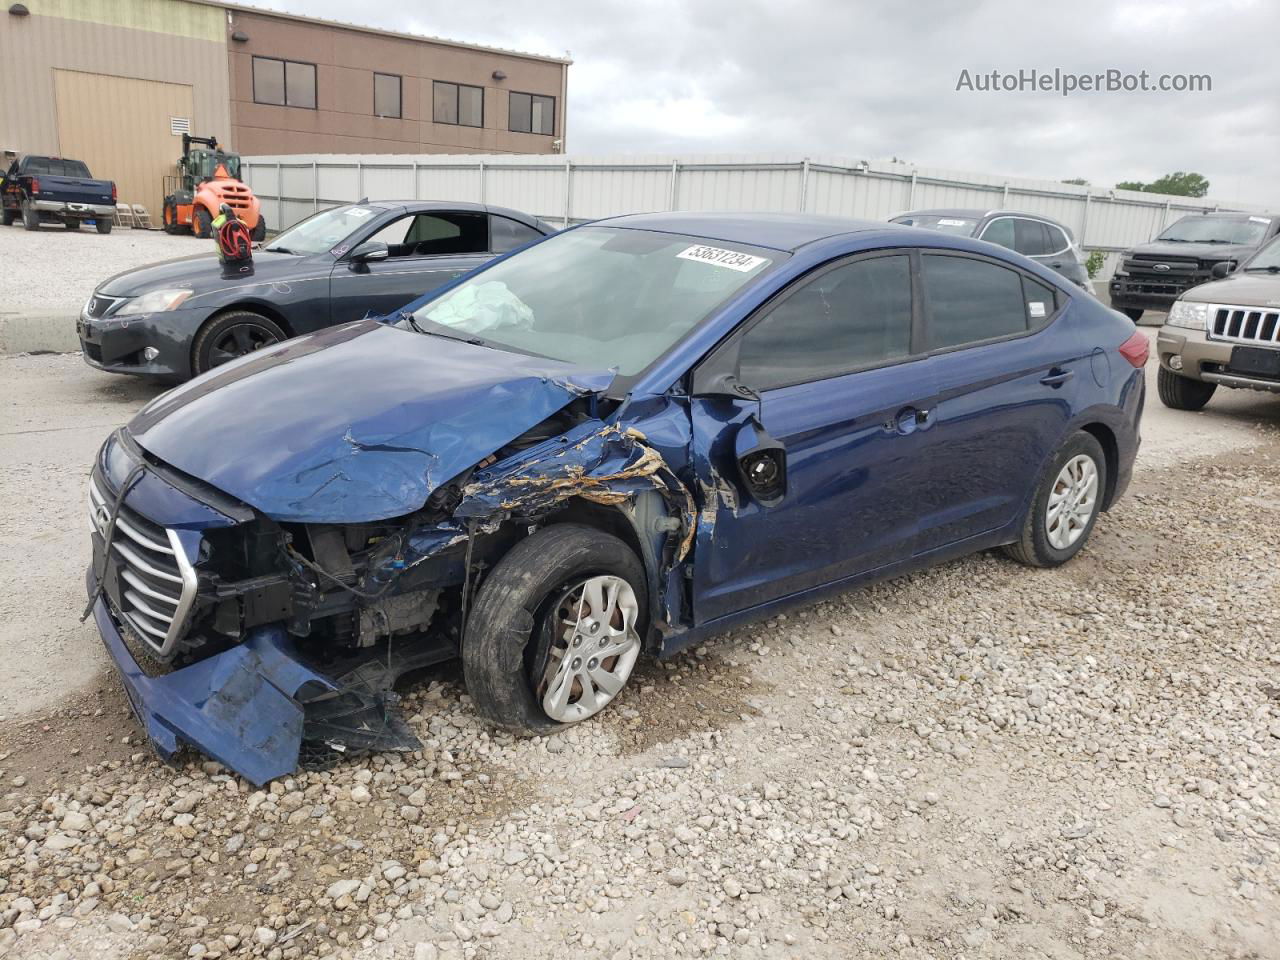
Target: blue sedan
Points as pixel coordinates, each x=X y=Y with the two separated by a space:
x=605 y=445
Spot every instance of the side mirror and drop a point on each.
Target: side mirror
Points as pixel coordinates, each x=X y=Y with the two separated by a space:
x=762 y=463
x=369 y=251
x=1220 y=270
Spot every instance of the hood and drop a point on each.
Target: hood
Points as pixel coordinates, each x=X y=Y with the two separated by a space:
x=1199 y=251
x=202 y=273
x=355 y=423
x=1240 y=288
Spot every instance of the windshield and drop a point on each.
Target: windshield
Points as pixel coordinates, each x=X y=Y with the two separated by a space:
x=1217 y=230
x=206 y=163
x=961 y=226
x=1268 y=258
x=324 y=230
x=598 y=296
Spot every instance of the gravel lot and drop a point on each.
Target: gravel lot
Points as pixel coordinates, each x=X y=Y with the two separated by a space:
x=84 y=259
x=978 y=760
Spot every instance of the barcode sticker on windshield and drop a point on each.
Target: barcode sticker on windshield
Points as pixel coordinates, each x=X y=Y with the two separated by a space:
x=944 y=222
x=742 y=262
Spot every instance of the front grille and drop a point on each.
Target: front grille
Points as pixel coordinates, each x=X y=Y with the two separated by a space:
x=1245 y=324
x=1163 y=276
x=98 y=305
x=157 y=584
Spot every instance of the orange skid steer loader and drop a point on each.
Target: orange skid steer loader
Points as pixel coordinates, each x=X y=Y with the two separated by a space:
x=207 y=179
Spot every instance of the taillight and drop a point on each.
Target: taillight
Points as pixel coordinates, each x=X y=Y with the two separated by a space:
x=1136 y=349
x=35 y=184
x=113 y=193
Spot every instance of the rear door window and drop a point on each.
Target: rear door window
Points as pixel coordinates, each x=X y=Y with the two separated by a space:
x=506 y=234
x=1030 y=238
x=971 y=301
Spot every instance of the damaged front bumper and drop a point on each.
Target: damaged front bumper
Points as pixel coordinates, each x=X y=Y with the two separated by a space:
x=253 y=706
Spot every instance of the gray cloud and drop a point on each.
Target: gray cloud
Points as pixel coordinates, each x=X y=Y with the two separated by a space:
x=873 y=80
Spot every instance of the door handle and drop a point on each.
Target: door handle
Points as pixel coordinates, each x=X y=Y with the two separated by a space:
x=909 y=419
x=1056 y=377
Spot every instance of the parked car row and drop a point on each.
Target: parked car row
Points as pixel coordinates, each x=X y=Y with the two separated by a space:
x=607 y=443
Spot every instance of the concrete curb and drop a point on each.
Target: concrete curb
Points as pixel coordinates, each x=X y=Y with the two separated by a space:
x=38 y=333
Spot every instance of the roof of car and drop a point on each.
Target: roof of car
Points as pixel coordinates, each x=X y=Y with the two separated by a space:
x=977 y=213
x=427 y=206
x=777 y=231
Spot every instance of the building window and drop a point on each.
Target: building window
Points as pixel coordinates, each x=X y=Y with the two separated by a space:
x=284 y=83
x=458 y=103
x=531 y=113
x=386 y=95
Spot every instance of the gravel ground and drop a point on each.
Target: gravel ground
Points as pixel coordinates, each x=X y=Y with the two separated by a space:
x=84 y=258
x=977 y=760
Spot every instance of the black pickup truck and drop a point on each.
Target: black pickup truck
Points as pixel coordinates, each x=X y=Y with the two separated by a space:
x=1153 y=275
x=53 y=189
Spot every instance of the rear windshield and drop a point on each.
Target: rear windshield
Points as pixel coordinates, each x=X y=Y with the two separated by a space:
x=56 y=167
x=961 y=226
x=1217 y=230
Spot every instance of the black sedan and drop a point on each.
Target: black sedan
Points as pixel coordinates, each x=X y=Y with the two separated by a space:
x=177 y=319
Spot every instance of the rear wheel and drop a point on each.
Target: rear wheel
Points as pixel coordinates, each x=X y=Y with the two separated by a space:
x=170 y=218
x=103 y=224
x=1066 y=504
x=1132 y=313
x=260 y=230
x=202 y=223
x=556 y=629
x=1182 y=393
x=30 y=216
x=231 y=335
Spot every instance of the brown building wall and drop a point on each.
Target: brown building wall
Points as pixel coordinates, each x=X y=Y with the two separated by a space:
x=344 y=121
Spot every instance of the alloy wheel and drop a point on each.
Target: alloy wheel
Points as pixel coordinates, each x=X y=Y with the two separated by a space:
x=238 y=340
x=594 y=647
x=1072 y=502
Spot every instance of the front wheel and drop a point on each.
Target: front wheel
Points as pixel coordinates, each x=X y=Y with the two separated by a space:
x=1182 y=393
x=230 y=336
x=202 y=223
x=9 y=216
x=556 y=629
x=1066 y=504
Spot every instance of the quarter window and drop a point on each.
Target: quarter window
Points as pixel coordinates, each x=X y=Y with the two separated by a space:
x=971 y=301
x=386 y=95
x=531 y=113
x=284 y=83
x=458 y=103
x=853 y=316
x=1057 y=239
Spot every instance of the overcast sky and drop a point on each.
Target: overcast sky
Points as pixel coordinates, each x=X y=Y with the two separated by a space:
x=873 y=80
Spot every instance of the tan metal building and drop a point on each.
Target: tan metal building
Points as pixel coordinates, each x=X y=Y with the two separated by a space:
x=115 y=83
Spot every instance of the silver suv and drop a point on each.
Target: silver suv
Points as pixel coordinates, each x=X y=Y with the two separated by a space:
x=1225 y=333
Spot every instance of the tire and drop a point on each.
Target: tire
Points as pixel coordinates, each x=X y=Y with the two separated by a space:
x=104 y=225
x=1182 y=393
x=30 y=216
x=519 y=615
x=202 y=223
x=1035 y=547
x=170 y=219
x=1132 y=313
x=243 y=330
x=8 y=216
x=260 y=230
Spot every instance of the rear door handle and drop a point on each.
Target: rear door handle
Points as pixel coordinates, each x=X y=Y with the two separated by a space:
x=1056 y=377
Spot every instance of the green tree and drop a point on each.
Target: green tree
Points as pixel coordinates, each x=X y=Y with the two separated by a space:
x=1178 y=184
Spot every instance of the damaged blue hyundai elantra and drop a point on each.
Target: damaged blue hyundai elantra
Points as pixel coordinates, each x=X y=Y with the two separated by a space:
x=602 y=446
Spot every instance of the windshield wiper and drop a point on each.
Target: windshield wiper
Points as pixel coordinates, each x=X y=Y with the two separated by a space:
x=439 y=330
x=1271 y=269
x=280 y=250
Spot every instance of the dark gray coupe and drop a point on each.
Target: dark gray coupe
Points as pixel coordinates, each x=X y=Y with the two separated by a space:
x=177 y=319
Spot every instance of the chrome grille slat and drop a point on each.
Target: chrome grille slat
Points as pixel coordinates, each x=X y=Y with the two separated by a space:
x=157 y=581
x=1241 y=324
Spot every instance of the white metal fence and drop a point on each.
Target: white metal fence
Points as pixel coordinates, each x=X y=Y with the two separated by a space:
x=564 y=190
